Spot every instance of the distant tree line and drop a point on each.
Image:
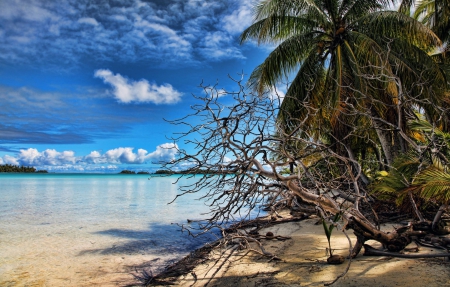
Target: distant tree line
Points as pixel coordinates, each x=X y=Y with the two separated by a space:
x=22 y=169
x=190 y=171
x=165 y=171
x=125 y=171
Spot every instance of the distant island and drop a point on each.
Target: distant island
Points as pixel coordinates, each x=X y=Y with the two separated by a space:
x=19 y=169
x=190 y=171
x=165 y=172
x=125 y=171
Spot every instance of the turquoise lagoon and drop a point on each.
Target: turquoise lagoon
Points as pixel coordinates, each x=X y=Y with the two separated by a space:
x=91 y=229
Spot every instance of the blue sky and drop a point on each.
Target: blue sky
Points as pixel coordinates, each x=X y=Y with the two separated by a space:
x=85 y=85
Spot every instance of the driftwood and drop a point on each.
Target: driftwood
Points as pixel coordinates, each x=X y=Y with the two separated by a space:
x=370 y=251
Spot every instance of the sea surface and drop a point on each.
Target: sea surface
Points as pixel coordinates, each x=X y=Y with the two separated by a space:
x=92 y=229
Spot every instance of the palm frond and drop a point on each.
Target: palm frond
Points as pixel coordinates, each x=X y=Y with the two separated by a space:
x=433 y=183
x=393 y=25
x=282 y=61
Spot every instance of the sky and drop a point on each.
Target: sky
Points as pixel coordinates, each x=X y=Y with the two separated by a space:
x=85 y=86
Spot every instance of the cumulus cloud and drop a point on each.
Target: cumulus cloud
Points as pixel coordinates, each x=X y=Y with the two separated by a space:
x=7 y=159
x=32 y=157
x=127 y=91
x=163 y=153
x=52 y=159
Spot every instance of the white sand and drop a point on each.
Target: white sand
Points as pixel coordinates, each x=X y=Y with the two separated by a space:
x=304 y=264
x=69 y=258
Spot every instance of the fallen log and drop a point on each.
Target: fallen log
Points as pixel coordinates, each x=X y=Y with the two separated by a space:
x=370 y=251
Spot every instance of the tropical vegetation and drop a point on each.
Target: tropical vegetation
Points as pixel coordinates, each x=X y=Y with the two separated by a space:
x=16 y=168
x=351 y=62
x=371 y=83
x=365 y=117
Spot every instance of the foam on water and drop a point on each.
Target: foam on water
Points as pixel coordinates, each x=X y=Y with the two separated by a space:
x=88 y=230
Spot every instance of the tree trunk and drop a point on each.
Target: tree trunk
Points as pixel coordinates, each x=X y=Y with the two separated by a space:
x=384 y=136
x=438 y=216
x=356 y=167
x=394 y=241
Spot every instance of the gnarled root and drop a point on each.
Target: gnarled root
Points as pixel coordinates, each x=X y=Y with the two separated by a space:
x=394 y=241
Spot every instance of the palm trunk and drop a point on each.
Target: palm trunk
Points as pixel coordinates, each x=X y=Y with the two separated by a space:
x=384 y=136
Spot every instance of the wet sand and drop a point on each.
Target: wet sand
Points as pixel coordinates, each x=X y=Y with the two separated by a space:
x=90 y=230
x=79 y=257
x=71 y=258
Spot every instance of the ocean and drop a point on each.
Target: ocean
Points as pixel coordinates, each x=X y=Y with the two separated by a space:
x=92 y=229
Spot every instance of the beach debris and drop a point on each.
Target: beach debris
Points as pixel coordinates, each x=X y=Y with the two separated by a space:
x=370 y=251
x=335 y=259
x=269 y=235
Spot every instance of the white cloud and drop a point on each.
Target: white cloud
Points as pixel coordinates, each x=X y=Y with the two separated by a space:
x=51 y=159
x=7 y=159
x=163 y=29
x=127 y=91
x=31 y=11
x=217 y=93
x=21 y=39
x=94 y=157
x=218 y=45
x=168 y=33
x=125 y=155
x=32 y=157
x=226 y=160
x=239 y=19
x=89 y=21
x=119 y=18
x=163 y=153
x=277 y=94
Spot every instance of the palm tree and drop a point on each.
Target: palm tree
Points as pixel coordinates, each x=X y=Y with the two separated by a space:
x=346 y=56
x=424 y=174
x=433 y=13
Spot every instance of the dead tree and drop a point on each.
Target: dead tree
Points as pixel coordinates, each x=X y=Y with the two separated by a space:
x=250 y=159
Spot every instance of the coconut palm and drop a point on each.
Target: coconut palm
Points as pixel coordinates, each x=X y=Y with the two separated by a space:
x=425 y=174
x=434 y=13
x=345 y=57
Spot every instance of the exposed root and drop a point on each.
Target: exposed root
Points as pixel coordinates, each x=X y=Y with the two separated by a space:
x=370 y=251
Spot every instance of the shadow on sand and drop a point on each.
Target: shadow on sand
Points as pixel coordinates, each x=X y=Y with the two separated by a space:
x=158 y=239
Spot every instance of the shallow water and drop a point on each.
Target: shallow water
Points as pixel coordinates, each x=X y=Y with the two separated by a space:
x=90 y=230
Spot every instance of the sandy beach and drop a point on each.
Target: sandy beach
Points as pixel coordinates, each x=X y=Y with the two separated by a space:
x=304 y=263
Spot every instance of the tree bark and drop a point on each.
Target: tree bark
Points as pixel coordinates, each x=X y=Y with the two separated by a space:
x=384 y=136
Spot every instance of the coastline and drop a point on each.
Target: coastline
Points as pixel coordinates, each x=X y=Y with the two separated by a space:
x=88 y=229
x=303 y=263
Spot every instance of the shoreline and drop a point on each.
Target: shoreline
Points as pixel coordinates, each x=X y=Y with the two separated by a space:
x=303 y=263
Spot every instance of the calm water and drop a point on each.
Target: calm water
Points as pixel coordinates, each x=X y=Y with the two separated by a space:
x=87 y=230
